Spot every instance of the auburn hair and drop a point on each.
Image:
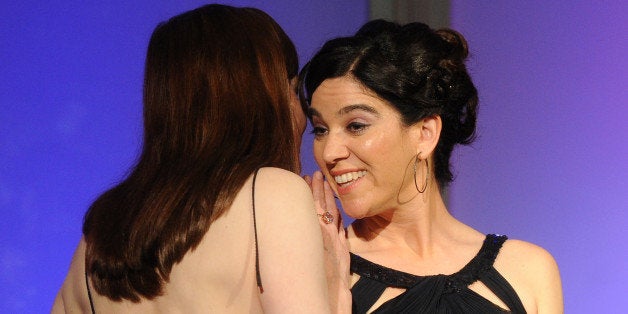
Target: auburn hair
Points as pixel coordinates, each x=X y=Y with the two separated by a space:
x=216 y=107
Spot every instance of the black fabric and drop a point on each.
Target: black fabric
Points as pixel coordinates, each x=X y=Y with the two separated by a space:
x=437 y=293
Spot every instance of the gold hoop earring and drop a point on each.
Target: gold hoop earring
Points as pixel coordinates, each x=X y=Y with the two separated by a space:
x=427 y=175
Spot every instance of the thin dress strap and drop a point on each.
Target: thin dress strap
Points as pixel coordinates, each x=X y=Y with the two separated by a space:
x=258 y=277
x=89 y=294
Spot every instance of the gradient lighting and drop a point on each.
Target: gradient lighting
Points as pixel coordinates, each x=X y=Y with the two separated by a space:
x=550 y=164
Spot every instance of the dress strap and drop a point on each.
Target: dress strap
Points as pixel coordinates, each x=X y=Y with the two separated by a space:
x=258 y=277
x=388 y=276
x=482 y=262
x=89 y=294
x=503 y=290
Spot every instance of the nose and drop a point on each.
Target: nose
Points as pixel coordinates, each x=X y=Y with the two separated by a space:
x=335 y=148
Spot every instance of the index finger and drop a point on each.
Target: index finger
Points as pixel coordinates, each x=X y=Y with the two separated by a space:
x=318 y=191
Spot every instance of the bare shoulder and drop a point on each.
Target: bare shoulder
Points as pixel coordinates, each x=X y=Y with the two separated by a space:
x=290 y=244
x=283 y=190
x=281 y=178
x=533 y=273
x=284 y=201
x=72 y=295
x=526 y=254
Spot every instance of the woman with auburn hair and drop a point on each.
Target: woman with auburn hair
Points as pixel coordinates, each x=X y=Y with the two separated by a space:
x=388 y=105
x=213 y=217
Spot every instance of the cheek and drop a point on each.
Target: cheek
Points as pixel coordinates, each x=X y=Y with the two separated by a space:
x=387 y=156
x=317 y=150
x=380 y=146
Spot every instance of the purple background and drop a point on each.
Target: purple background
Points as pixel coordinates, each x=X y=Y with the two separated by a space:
x=549 y=165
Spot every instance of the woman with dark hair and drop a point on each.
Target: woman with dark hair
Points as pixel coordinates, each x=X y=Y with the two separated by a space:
x=213 y=217
x=387 y=106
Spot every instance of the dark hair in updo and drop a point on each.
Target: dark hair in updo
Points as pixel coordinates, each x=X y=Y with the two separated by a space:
x=420 y=71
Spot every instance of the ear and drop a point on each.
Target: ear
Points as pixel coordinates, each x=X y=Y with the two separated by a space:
x=428 y=133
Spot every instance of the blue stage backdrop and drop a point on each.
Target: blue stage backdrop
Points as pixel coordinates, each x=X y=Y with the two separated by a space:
x=70 y=123
x=549 y=164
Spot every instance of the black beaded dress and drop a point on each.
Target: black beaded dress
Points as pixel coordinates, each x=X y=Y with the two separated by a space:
x=437 y=293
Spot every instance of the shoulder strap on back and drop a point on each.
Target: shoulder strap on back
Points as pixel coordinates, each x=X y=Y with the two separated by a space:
x=89 y=294
x=258 y=277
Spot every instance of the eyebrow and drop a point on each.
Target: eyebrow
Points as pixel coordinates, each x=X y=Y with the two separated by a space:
x=346 y=110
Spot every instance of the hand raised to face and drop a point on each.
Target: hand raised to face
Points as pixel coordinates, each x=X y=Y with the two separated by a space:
x=337 y=259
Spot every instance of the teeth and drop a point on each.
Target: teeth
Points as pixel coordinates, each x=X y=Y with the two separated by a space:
x=350 y=176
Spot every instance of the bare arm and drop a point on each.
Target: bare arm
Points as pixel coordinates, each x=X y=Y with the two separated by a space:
x=534 y=274
x=58 y=306
x=290 y=245
x=72 y=296
x=548 y=286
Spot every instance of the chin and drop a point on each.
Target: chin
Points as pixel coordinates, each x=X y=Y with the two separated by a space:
x=353 y=210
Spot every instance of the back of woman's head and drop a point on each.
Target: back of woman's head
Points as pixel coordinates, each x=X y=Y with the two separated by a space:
x=216 y=77
x=419 y=71
x=216 y=107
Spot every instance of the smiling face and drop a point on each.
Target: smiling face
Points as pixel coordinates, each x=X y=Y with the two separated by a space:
x=362 y=147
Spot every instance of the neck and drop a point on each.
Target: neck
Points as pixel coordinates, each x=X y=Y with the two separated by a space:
x=416 y=225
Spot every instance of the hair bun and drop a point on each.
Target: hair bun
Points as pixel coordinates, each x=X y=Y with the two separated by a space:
x=459 y=50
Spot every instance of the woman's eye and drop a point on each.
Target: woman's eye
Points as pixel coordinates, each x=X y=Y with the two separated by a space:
x=356 y=127
x=319 y=131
